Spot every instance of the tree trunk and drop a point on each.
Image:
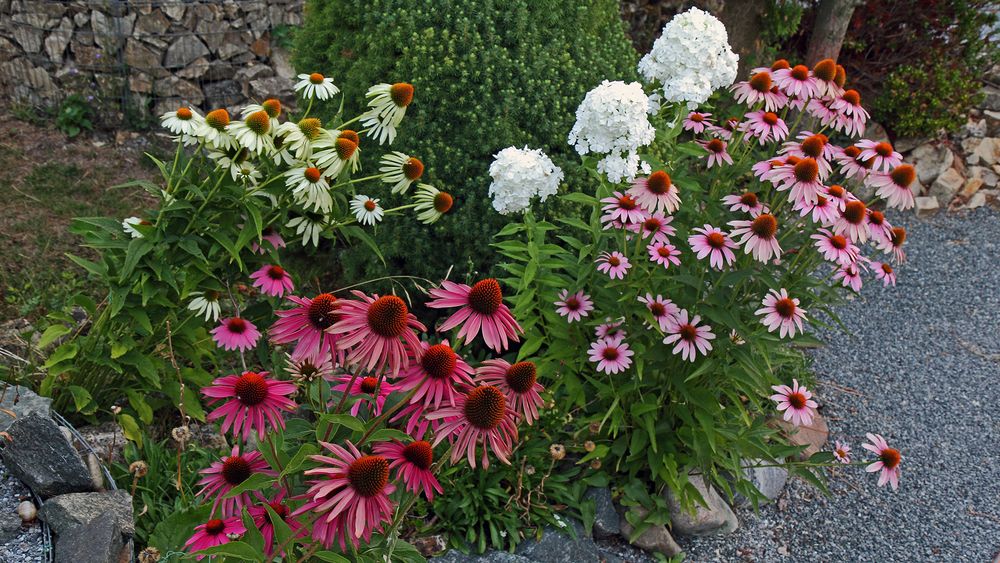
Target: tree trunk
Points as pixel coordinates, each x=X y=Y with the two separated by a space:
x=832 y=19
x=742 y=21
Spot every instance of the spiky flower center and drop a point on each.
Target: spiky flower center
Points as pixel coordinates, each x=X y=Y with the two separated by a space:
x=854 y=212
x=806 y=170
x=350 y=135
x=276 y=273
x=485 y=406
x=572 y=303
x=792 y=160
x=886 y=268
x=627 y=202
x=836 y=190
x=259 y=122
x=322 y=311
x=369 y=385
x=813 y=146
x=658 y=182
x=838 y=241
x=883 y=149
x=316 y=78
x=688 y=332
x=368 y=475
x=903 y=175
x=785 y=307
x=217 y=119
x=280 y=509
x=876 y=218
x=840 y=77
x=890 y=458
x=370 y=205
x=184 y=114
x=310 y=128
x=610 y=353
x=212 y=295
x=443 y=202
x=345 y=148
x=215 y=526
x=387 y=316
x=780 y=64
x=715 y=239
x=664 y=252
x=696 y=117
x=614 y=261
x=236 y=469
x=797 y=400
x=749 y=199
x=652 y=225
x=852 y=151
x=800 y=72
x=761 y=82
x=764 y=226
x=439 y=361
x=485 y=297
x=825 y=70
x=898 y=236
x=716 y=146
x=770 y=118
x=413 y=169
x=401 y=94
x=250 y=388
x=236 y=325
x=521 y=376
x=657 y=309
x=272 y=106
x=852 y=97
x=312 y=174
x=419 y=453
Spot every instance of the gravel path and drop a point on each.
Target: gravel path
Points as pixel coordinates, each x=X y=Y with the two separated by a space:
x=923 y=369
x=18 y=544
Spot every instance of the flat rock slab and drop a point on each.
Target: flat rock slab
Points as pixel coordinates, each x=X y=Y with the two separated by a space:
x=813 y=435
x=99 y=541
x=715 y=519
x=22 y=402
x=65 y=512
x=40 y=456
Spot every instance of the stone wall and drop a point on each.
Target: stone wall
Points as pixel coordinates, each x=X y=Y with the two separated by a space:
x=136 y=58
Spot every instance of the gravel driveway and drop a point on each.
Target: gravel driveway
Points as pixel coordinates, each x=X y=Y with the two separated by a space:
x=921 y=367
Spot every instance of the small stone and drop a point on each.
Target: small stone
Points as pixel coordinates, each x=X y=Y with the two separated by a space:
x=813 y=435
x=907 y=144
x=183 y=51
x=22 y=402
x=174 y=10
x=39 y=455
x=715 y=519
x=27 y=511
x=656 y=538
x=988 y=176
x=430 y=545
x=99 y=541
x=931 y=161
x=987 y=152
x=770 y=480
x=991 y=98
x=223 y=94
x=10 y=526
x=947 y=185
x=973 y=128
x=970 y=188
x=977 y=200
x=65 y=512
x=927 y=206
x=490 y=556
x=606 y=519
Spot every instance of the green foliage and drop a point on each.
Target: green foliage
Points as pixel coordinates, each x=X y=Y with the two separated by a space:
x=488 y=74
x=920 y=101
x=74 y=115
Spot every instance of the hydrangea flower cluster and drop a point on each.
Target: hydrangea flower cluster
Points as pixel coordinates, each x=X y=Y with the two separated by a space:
x=519 y=175
x=613 y=121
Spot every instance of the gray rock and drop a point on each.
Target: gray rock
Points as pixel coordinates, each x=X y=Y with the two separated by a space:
x=183 y=90
x=977 y=200
x=174 y=10
x=65 y=512
x=40 y=456
x=154 y=23
x=770 y=481
x=907 y=144
x=222 y=94
x=715 y=519
x=931 y=161
x=22 y=402
x=656 y=538
x=99 y=541
x=875 y=132
x=488 y=557
x=196 y=69
x=107 y=440
x=986 y=152
x=183 y=51
x=557 y=546
x=927 y=206
x=281 y=60
x=10 y=526
x=947 y=185
x=605 y=516
x=974 y=128
x=58 y=40
x=140 y=57
x=991 y=98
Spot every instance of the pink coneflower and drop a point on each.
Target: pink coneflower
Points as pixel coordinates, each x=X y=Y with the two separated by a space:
x=611 y=354
x=573 y=307
x=838 y=195
x=214 y=532
x=850 y=275
x=252 y=401
x=842 y=452
x=767 y=168
x=481 y=307
x=519 y=384
x=663 y=310
x=656 y=226
x=416 y=424
x=306 y=371
x=853 y=117
x=895 y=244
x=689 y=338
x=824 y=211
x=622 y=208
x=879 y=229
x=371 y=390
x=351 y=494
x=747 y=202
x=885 y=273
x=726 y=130
x=272 y=280
x=796 y=402
x=758 y=88
x=664 y=254
x=781 y=313
x=888 y=460
x=825 y=72
x=614 y=264
x=306 y=325
x=265 y=523
x=610 y=330
x=712 y=242
x=758 y=236
x=816 y=146
x=697 y=122
x=656 y=193
x=894 y=187
x=851 y=163
x=881 y=153
x=412 y=463
x=820 y=109
x=766 y=126
x=834 y=247
x=221 y=476
x=236 y=333
x=803 y=180
x=480 y=417
x=853 y=221
x=797 y=81
x=270 y=235
x=377 y=331
x=435 y=375
x=716 y=152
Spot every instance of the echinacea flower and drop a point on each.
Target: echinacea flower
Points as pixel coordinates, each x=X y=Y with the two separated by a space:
x=758 y=236
x=306 y=325
x=436 y=375
x=883 y=156
x=757 y=89
x=317 y=86
x=888 y=460
x=214 y=130
x=765 y=126
x=717 y=154
x=853 y=221
x=614 y=264
x=253 y=133
x=370 y=390
x=378 y=332
x=519 y=384
x=842 y=452
x=253 y=401
x=387 y=105
x=838 y=195
x=853 y=117
x=655 y=192
x=885 y=273
x=350 y=493
x=747 y=202
x=206 y=304
x=796 y=402
x=270 y=106
x=610 y=330
x=307 y=370
x=621 y=208
x=611 y=354
x=271 y=236
x=480 y=307
x=265 y=523
x=894 y=244
x=431 y=203
x=878 y=228
x=366 y=210
x=851 y=163
x=300 y=136
x=712 y=242
x=236 y=333
x=334 y=153
x=128 y=225
x=797 y=81
x=849 y=275
x=272 y=280
x=696 y=122
x=574 y=307
x=482 y=416
x=825 y=72
x=822 y=211
x=816 y=146
x=412 y=464
x=663 y=310
x=222 y=476
x=400 y=170
x=310 y=188
x=689 y=338
x=309 y=225
x=835 y=248
x=214 y=532
x=781 y=313
x=663 y=254
x=894 y=187
x=803 y=180
x=182 y=121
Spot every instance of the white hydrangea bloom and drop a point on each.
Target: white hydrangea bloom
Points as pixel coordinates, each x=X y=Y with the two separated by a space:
x=613 y=120
x=617 y=167
x=691 y=58
x=519 y=175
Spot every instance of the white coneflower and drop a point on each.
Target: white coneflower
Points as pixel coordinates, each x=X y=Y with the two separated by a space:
x=520 y=175
x=270 y=106
x=281 y=154
x=214 y=130
x=309 y=187
x=432 y=203
x=184 y=121
x=387 y=105
x=309 y=226
x=335 y=151
x=128 y=225
x=299 y=137
x=245 y=173
x=316 y=85
x=253 y=133
x=206 y=304
x=366 y=210
x=400 y=170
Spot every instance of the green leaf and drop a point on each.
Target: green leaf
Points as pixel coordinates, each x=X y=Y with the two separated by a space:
x=385 y=434
x=138 y=402
x=337 y=420
x=255 y=482
x=130 y=428
x=138 y=248
x=173 y=531
x=580 y=197
x=82 y=400
x=236 y=549
x=281 y=530
x=65 y=352
x=298 y=459
x=331 y=557
x=52 y=333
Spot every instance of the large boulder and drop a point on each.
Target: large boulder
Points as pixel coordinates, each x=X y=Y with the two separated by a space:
x=713 y=518
x=98 y=541
x=40 y=456
x=65 y=512
x=22 y=402
x=655 y=539
x=557 y=546
x=605 y=516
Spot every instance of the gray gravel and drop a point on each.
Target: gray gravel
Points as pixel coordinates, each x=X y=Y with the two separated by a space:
x=27 y=545
x=923 y=369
